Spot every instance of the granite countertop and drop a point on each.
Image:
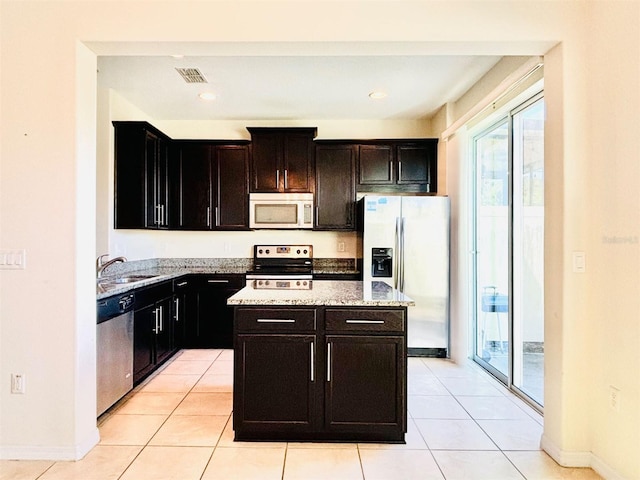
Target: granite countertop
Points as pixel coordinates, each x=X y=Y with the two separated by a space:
x=326 y=292
x=162 y=269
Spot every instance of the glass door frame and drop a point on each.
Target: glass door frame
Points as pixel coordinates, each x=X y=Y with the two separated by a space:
x=507 y=379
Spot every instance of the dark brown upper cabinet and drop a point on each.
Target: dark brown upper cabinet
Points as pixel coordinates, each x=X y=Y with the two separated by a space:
x=376 y=164
x=282 y=159
x=209 y=185
x=398 y=166
x=141 y=176
x=335 y=187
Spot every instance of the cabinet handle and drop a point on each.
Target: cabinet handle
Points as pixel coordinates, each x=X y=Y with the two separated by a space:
x=155 y=317
x=328 y=362
x=156 y=215
x=286 y=178
x=399 y=170
x=313 y=366
x=160 y=216
x=276 y=320
x=181 y=284
x=217 y=217
x=378 y=322
x=277 y=178
x=217 y=281
x=161 y=310
x=208 y=216
x=176 y=302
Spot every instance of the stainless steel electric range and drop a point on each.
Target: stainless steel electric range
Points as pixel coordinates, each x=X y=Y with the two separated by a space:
x=281 y=267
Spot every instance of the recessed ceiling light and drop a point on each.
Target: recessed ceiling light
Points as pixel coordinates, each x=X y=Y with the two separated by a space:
x=376 y=95
x=207 y=96
x=177 y=56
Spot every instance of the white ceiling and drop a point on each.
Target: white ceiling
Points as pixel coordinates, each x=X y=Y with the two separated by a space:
x=293 y=87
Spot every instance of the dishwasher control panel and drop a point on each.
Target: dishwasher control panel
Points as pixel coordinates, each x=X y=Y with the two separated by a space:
x=108 y=308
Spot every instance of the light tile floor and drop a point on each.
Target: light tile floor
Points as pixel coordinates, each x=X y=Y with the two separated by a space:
x=177 y=425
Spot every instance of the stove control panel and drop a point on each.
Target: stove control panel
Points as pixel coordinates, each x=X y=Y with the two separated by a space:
x=277 y=284
x=283 y=251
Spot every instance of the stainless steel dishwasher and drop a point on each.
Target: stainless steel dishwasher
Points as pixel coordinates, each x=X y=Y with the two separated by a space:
x=114 y=345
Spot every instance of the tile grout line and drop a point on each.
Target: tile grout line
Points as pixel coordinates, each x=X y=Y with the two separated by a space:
x=284 y=460
x=420 y=431
x=215 y=447
x=360 y=460
x=146 y=381
x=487 y=434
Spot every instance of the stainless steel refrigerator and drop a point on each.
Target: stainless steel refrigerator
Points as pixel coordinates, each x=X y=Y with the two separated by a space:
x=406 y=245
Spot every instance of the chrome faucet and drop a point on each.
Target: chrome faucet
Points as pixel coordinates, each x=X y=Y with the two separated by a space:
x=101 y=263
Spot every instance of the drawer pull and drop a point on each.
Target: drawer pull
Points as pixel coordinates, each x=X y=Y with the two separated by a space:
x=276 y=320
x=370 y=322
x=181 y=284
x=217 y=281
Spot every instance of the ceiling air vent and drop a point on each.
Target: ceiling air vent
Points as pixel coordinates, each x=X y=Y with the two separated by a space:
x=192 y=75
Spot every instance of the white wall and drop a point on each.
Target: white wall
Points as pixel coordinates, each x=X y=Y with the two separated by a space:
x=591 y=190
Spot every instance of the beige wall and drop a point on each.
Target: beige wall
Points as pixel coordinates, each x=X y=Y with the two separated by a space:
x=47 y=185
x=613 y=236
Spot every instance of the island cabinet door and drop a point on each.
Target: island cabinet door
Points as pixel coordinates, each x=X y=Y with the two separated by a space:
x=364 y=385
x=275 y=385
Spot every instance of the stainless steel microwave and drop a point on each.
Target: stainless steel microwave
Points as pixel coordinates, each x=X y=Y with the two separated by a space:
x=281 y=210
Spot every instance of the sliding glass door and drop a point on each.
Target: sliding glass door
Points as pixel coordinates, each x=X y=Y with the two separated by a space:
x=528 y=251
x=509 y=249
x=492 y=246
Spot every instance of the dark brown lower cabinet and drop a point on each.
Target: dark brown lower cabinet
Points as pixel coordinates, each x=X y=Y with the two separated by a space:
x=153 y=330
x=324 y=374
x=364 y=387
x=277 y=384
x=210 y=321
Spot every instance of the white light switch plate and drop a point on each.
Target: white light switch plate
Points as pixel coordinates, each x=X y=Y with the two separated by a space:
x=11 y=259
x=579 y=262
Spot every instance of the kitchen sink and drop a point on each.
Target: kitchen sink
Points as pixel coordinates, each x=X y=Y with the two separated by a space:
x=132 y=278
x=105 y=282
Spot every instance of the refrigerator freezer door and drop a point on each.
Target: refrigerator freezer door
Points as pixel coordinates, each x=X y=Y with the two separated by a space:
x=381 y=214
x=425 y=272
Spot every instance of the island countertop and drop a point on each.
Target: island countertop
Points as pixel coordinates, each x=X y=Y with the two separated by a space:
x=326 y=292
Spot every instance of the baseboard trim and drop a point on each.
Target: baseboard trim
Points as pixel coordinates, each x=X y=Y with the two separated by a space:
x=76 y=452
x=579 y=459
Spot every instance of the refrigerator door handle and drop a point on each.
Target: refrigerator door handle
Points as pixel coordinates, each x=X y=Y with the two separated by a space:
x=396 y=260
x=401 y=256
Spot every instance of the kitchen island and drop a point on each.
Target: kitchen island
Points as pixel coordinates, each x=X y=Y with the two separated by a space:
x=324 y=364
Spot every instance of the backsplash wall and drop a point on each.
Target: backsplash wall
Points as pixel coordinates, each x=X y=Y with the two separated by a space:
x=142 y=244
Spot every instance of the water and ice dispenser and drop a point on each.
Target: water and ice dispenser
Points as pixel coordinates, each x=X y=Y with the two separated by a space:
x=381 y=262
